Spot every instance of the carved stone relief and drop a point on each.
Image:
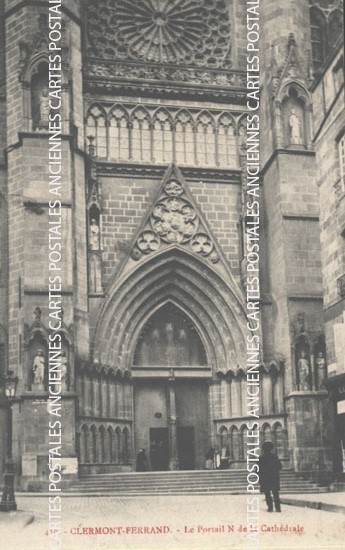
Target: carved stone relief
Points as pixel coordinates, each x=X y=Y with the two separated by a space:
x=190 y=32
x=174 y=220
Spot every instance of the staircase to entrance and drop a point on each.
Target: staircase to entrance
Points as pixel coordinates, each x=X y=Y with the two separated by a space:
x=223 y=482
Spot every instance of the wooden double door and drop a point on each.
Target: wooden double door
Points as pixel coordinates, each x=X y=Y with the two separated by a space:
x=160 y=451
x=171 y=423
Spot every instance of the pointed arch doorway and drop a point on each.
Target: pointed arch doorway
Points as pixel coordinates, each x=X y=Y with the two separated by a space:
x=171 y=403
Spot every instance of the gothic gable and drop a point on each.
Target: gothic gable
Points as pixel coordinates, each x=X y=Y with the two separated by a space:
x=174 y=220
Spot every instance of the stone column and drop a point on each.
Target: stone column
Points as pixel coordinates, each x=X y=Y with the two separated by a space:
x=225 y=387
x=172 y=422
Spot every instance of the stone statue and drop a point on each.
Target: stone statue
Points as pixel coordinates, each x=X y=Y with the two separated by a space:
x=320 y=368
x=38 y=369
x=304 y=372
x=44 y=109
x=64 y=370
x=94 y=235
x=295 y=128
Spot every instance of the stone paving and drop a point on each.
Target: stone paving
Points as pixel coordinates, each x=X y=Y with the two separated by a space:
x=204 y=522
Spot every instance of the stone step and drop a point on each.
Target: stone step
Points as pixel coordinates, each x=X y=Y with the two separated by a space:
x=130 y=483
x=185 y=475
x=200 y=491
x=183 y=482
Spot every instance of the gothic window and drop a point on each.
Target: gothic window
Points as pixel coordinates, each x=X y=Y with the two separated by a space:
x=97 y=128
x=205 y=140
x=125 y=449
x=226 y=143
x=266 y=433
x=318 y=37
x=279 y=440
x=235 y=449
x=162 y=137
x=118 y=444
x=118 y=134
x=110 y=445
x=141 y=135
x=91 y=395
x=101 y=444
x=223 y=437
x=243 y=442
x=112 y=392
x=169 y=339
x=84 y=444
x=184 y=138
x=93 y=457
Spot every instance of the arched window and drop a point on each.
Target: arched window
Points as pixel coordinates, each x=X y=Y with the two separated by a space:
x=110 y=445
x=279 y=440
x=97 y=128
x=141 y=135
x=243 y=442
x=91 y=395
x=223 y=437
x=162 y=137
x=205 y=140
x=318 y=37
x=101 y=444
x=126 y=446
x=169 y=338
x=118 y=439
x=84 y=444
x=93 y=449
x=184 y=138
x=266 y=433
x=118 y=134
x=235 y=443
x=226 y=141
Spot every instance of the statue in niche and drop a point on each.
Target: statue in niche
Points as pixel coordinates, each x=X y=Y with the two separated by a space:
x=38 y=369
x=304 y=372
x=64 y=370
x=44 y=109
x=295 y=128
x=94 y=235
x=320 y=364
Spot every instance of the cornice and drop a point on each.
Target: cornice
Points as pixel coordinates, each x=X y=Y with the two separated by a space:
x=144 y=171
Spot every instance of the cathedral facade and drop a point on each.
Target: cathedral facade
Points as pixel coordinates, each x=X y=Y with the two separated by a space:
x=153 y=215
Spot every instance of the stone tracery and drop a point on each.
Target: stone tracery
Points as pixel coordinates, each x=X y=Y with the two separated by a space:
x=174 y=220
x=189 y=32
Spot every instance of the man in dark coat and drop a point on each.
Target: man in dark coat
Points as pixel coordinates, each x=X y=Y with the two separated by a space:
x=270 y=467
x=142 y=462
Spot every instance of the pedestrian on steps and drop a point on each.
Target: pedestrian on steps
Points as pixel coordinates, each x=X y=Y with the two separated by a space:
x=269 y=474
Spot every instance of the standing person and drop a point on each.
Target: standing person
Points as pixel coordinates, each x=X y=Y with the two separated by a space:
x=270 y=467
x=142 y=462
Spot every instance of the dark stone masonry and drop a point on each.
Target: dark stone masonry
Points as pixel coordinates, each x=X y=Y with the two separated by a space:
x=153 y=224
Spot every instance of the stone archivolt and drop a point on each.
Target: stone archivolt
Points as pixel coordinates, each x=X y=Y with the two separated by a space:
x=188 y=32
